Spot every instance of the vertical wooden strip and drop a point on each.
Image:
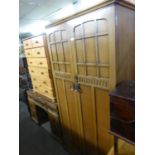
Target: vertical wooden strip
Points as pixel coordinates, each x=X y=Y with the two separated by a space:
x=56 y=49
x=97 y=50
x=66 y=99
x=95 y=115
x=77 y=99
x=63 y=51
x=84 y=48
x=74 y=47
x=58 y=102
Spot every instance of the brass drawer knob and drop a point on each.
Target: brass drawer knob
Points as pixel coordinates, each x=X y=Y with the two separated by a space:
x=32 y=71
x=34 y=79
x=44 y=82
x=46 y=91
x=27 y=44
x=28 y=53
x=42 y=73
x=36 y=42
x=41 y=63
x=38 y=52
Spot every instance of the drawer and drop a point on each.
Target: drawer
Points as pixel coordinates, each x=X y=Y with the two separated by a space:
x=43 y=72
x=48 y=93
x=38 y=41
x=33 y=71
x=40 y=62
x=38 y=52
x=46 y=82
x=32 y=62
x=28 y=53
x=27 y=44
x=122 y=109
x=44 y=91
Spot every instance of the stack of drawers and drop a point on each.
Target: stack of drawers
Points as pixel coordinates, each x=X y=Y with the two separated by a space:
x=36 y=52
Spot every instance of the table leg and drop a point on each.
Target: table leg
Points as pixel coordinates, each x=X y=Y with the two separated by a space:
x=115 y=145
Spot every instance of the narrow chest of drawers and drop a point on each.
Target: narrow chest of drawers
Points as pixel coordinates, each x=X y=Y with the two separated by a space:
x=36 y=52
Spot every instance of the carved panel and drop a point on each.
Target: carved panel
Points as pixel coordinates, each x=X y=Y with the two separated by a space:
x=60 y=51
x=91 y=47
x=92 y=81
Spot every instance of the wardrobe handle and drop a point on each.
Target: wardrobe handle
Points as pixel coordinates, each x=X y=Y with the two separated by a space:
x=75 y=87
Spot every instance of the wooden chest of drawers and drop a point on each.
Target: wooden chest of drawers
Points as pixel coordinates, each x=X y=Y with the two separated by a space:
x=122 y=111
x=36 y=51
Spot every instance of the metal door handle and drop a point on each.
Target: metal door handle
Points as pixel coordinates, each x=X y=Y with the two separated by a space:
x=75 y=87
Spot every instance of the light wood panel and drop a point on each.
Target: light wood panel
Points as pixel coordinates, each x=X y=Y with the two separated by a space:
x=103 y=120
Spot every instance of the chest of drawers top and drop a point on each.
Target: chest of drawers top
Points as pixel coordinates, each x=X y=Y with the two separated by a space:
x=33 y=42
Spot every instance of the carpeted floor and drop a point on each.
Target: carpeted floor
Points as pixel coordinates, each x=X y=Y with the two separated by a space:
x=35 y=140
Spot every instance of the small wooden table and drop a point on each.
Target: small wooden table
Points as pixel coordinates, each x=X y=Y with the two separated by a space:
x=43 y=109
x=122 y=113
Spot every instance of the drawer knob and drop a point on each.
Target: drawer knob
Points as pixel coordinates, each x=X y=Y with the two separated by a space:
x=41 y=63
x=32 y=71
x=36 y=42
x=34 y=79
x=44 y=82
x=38 y=52
x=30 y=62
x=28 y=53
x=42 y=73
x=46 y=91
x=27 y=44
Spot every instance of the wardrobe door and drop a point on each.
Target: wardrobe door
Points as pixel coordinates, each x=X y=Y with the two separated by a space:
x=62 y=63
x=92 y=41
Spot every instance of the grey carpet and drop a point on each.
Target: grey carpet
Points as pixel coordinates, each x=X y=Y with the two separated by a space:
x=35 y=140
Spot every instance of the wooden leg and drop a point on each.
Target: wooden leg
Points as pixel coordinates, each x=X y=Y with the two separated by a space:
x=115 y=145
